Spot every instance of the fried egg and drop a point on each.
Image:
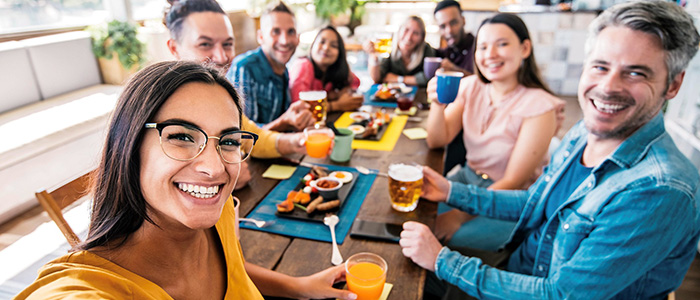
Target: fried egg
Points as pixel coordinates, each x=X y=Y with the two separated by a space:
x=357 y=129
x=343 y=176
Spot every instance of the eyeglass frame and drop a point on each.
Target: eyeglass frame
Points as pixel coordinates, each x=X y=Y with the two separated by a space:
x=160 y=126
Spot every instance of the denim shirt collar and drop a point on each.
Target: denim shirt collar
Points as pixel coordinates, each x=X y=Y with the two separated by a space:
x=267 y=68
x=636 y=146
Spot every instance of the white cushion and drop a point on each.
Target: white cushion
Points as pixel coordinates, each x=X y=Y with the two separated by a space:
x=63 y=62
x=17 y=82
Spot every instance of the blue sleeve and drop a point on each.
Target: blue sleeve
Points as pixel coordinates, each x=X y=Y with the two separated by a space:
x=638 y=229
x=503 y=204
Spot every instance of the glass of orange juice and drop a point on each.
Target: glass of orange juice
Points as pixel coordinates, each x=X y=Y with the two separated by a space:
x=318 y=140
x=366 y=275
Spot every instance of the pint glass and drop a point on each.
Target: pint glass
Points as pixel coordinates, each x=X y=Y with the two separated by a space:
x=405 y=186
x=317 y=105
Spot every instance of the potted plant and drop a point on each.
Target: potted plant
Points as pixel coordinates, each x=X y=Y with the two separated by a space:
x=119 y=52
x=341 y=12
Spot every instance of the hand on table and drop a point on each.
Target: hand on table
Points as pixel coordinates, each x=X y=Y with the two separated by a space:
x=435 y=187
x=420 y=245
x=320 y=285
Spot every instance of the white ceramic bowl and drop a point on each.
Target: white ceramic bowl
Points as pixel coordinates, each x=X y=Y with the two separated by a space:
x=327 y=193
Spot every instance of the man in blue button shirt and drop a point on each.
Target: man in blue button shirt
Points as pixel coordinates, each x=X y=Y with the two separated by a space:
x=261 y=74
x=616 y=213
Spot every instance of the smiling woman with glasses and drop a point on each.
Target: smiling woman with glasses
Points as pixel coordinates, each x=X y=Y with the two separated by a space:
x=163 y=220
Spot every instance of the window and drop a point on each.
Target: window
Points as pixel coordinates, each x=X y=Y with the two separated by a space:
x=32 y=15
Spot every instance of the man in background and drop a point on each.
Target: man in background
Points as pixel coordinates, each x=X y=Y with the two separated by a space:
x=261 y=75
x=458 y=56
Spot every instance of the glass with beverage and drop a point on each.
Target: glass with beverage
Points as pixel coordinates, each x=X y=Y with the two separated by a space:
x=318 y=140
x=366 y=275
x=382 y=44
x=405 y=99
x=317 y=104
x=405 y=186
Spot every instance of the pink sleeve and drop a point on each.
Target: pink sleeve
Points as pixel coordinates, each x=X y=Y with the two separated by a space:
x=354 y=81
x=300 y=76
x=537 y=102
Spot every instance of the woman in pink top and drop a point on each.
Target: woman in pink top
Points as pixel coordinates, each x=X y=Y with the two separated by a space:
x=508 y=116
x=327 y=69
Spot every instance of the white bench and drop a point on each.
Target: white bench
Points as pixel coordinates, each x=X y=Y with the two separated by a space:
x=53 y=113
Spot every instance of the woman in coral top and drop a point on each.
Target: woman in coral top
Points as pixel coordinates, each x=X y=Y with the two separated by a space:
x=163 y=221
x=509 y=117
x=326 y=69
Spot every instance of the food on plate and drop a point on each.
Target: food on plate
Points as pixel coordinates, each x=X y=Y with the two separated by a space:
x=318 y=171
x=285 y=206
x=359 y=116
x=299 y=197
x=312 y=206
x=385 y=93
x=344 y=176
x=326 y=184
x=357 y=129
x=328 y=205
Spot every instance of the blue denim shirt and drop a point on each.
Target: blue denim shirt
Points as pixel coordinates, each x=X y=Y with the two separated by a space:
x=629 y=231
x=266 y=94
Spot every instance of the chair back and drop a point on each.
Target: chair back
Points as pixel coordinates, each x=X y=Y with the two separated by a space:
x=455 y=153
x=58 y=198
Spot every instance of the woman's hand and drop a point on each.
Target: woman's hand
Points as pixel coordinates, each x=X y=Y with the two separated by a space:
x=320 y=285
x=347 y=102
x=435 y=187
x=368 y=46
x=420 y=245
x=431 y=90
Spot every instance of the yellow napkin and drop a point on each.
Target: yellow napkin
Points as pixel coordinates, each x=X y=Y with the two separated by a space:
x=388 y=141
x=385 y=292
x=279 y=172
x=410 y=112
x=415 y=133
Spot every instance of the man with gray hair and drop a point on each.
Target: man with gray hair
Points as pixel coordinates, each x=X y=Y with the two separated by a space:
x=616 y=214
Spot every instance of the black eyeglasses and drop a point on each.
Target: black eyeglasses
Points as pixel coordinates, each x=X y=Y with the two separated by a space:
x=184 y=142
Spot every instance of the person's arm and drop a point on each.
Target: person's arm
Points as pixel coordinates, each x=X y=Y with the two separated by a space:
x=316 y=286
x=447 y=65
x=296 y=118
x=266 y=146
x=373 y=62
x=444 y=121
x=528 y=152
x=345 y=100
x=655 y=222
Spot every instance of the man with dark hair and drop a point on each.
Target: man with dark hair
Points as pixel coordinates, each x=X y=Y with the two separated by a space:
x=262 y=76
x=201 y=31
x=457 y=56
x=616 y=214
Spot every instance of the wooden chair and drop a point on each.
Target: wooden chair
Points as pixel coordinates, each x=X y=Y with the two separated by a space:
x=54 y=201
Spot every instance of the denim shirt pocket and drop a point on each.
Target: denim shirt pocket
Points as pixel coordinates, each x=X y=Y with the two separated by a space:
x=573 y=228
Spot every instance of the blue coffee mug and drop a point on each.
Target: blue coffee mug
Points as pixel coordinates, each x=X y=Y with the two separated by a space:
x=448 y=86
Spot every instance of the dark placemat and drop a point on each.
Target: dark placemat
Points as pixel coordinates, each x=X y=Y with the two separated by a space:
x=306 y=229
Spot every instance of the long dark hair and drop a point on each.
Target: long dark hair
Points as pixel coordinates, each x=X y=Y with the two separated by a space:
x=338 y=74
x=528 y=73
x=119 y=207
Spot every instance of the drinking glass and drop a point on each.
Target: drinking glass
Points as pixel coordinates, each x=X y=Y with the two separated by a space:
x=430 y=65
x=405 y=186
x=382 y=44
x=318 y=104
x=318 y=140
x=405 y=100
x=366 y=275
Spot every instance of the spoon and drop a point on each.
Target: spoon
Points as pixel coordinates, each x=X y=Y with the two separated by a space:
x=257 y=223
x=331 y=221
x=366 y=171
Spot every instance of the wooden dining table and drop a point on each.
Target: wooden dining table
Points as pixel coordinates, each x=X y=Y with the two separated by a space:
x=301 y=257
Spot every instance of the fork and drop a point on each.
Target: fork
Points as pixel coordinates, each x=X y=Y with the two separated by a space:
x=257 y=223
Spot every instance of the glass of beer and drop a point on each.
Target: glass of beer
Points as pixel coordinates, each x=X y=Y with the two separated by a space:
x=317 y=105
x=405 y=186
x=382 y=44
x=366 y=275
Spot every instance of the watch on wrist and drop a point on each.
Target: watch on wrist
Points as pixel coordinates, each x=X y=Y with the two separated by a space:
x=400 y=79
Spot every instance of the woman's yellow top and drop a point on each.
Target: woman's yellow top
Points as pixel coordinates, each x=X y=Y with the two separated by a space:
x=84 y=275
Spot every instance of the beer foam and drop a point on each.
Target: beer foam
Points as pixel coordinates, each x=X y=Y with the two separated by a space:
x=312 y=95
x=407 y=173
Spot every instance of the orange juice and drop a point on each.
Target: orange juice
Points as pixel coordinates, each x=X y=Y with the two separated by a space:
x=366 y=280
x=318 y=144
